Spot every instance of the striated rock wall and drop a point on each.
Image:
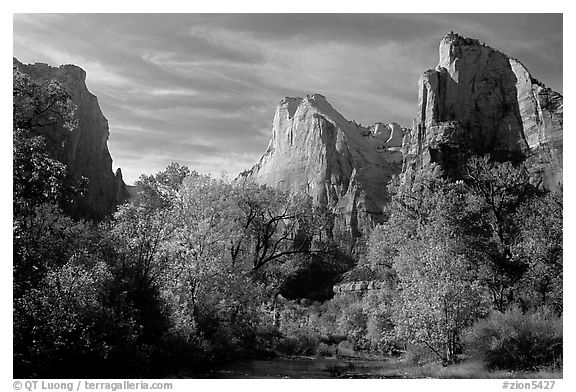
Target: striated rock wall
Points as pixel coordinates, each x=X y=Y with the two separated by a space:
x=85 y=149
x=480 y=101
x=315 y=150
x=359 y=286
x=387 y=139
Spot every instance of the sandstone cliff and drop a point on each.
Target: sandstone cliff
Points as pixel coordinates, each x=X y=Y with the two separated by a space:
x=85 y=149
x=480 y=101
x=359 y=286
x=341 y=164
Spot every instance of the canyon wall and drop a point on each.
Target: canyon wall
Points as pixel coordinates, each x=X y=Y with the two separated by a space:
x=85 y=149
x=480 y=101
x=341 y=164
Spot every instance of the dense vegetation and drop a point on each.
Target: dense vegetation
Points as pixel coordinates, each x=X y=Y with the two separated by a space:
x=197 y=270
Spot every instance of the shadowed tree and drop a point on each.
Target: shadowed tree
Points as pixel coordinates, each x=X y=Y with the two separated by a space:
x=43 y=116
x=500 y=189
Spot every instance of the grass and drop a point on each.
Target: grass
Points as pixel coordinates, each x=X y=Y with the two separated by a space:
x=467 y=369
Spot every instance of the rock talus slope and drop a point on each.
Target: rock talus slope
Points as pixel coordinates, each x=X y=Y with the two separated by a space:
x=480 y=101
x=85 y=149
x=341 y=164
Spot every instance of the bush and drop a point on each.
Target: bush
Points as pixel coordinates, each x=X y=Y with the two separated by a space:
x=346 y=348
x=325 y=350
x=299 y=344
x=419 y=354
x=517 y=341
x=298 y=327
x=267 y=335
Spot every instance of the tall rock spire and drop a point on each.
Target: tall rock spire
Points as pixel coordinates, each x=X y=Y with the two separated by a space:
x=479 y=101
x=341 y=164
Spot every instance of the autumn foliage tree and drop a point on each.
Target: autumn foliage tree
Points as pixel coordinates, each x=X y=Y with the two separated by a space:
x=539 y=246
x=459 y=249
x=439 y=293
x=43 y=115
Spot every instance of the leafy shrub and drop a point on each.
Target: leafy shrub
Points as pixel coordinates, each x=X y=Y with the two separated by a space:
x=266 y=336
x=419 y=354
x=299 y=343
x=298 y=326
x=65 y=325
x=517 y=341
x=346 y=348
x=325 y=350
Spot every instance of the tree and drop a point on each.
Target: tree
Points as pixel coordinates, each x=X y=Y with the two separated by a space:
x=431 y=251
x=199 y=243
x=142 y=230
x=160 y=190
x=45 y=238
x=37 y=177
x=500 y=189
x=439 y=294
x=275 y=225
x=213 y=301
x=539 y=246
x=455 y=247
x=39 y=106
x=43 y=116
x=65 y=319
x=60 y=324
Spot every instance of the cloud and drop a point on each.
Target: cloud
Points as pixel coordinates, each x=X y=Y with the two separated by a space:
x=355 y=29
x=174 y=92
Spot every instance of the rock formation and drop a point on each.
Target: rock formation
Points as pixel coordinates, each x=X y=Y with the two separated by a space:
x=85 y=149
x=341 y=164
x=480 y=101
x=359 y=286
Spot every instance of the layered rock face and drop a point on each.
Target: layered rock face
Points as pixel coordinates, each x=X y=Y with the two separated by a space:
x=359 y=286
x=85 y=149
x=480 y=101
x=341 y=164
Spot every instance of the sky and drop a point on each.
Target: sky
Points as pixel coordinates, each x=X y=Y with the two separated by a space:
x=201 y=89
